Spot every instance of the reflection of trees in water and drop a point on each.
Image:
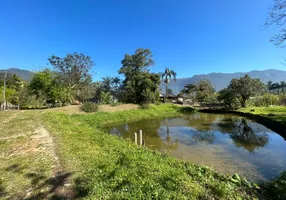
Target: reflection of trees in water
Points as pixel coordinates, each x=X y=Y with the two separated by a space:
x=169 y=144
x=202 y=121
x=204 y=136
x=243 y=134
x=245 y=137
x=227 y=125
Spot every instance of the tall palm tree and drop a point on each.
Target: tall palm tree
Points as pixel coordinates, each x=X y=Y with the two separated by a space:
x=269 y=85
x=282 y=85
x=166 y=76
x=106 y=83
x=116 y=82
x=276 y=86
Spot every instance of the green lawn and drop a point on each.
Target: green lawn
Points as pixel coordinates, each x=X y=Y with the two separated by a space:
x=107 y=167
x=97 y=165
x=276 y=113
x=26 y=164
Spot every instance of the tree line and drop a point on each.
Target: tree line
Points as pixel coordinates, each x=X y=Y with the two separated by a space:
x=70 y=81
x=240 y=92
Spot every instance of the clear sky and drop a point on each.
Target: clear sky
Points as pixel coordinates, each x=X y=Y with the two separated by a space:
x=188 y=36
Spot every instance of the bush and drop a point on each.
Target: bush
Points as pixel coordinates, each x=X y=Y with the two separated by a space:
x=267 y=99
x=89 y=107
x=282 y=99
x=105 y=97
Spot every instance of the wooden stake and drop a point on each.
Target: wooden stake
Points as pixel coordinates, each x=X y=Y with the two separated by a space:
x=135 y=135
x=141 y=137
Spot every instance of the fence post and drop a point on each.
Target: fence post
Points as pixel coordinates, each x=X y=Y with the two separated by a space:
x=141 y=137
x=135 y=135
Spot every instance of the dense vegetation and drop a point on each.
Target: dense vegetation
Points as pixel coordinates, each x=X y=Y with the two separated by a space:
x=241 y=92
x=70 y=82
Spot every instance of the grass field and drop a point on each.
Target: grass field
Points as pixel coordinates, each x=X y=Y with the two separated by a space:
x=29 y=165
x=276 y=113
x=107 y=167
x=48 y=154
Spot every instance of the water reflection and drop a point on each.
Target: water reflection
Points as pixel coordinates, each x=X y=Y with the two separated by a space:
x=169 y=144
x=207 y=137
x=246 y=138
x=229 y=143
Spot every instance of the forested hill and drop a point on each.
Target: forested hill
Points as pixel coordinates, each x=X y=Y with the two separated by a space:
x=221 y=80
x=24 y=74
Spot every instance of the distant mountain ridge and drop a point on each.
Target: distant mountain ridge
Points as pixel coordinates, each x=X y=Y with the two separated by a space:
x=218 y=80
x=24 y=74
x=221 y=80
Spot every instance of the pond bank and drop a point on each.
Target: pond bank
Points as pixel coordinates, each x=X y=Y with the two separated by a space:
x=270 y=117
x=274 y=118
x=105 y=166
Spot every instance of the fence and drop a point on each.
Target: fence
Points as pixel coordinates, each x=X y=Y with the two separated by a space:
x=9 y=106
x=141 y=140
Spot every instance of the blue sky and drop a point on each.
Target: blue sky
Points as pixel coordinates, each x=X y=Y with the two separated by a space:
x=189 y=36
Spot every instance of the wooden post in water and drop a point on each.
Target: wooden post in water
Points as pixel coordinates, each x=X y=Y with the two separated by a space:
x=141 y=142
x=135 y=135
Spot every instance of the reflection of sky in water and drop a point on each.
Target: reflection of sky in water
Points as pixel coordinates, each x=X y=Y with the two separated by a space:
x=227 y=143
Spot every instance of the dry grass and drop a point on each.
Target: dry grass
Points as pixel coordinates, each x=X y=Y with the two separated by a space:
x=71 y=109
x=121 y=107
x=76 y=109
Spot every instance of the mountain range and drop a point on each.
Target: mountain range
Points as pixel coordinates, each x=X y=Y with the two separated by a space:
x=221 y=80
x=218 y=80
x=24 y=74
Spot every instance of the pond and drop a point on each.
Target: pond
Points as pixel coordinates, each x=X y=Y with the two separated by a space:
x=227 y=143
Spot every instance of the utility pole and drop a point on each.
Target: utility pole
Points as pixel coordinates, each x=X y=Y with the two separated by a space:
x=4 y=91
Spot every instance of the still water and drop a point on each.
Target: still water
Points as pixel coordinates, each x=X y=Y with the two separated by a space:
x=227 y=143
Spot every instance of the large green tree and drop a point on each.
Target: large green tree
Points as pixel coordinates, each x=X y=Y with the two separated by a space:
x=139 y=86
x=74 y=69
x=245 y=87
x=229 y=98
x=47 y=85
x=205 y=91
x=166 y=77
x=41 y=83
x=201 y=91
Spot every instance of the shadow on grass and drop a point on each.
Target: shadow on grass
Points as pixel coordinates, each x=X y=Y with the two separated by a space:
x=185 y=109
x=42 y=187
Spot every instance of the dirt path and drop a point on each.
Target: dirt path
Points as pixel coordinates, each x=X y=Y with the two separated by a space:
x=29 y=163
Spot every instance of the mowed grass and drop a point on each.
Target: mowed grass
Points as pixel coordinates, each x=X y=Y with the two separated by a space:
x=276 y=113
x=107 y=167
x=25 y=166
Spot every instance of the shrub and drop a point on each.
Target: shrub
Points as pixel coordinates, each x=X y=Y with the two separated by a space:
x=267 y=99
x=282 y=99
x=105 y=97
x=89 y=107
